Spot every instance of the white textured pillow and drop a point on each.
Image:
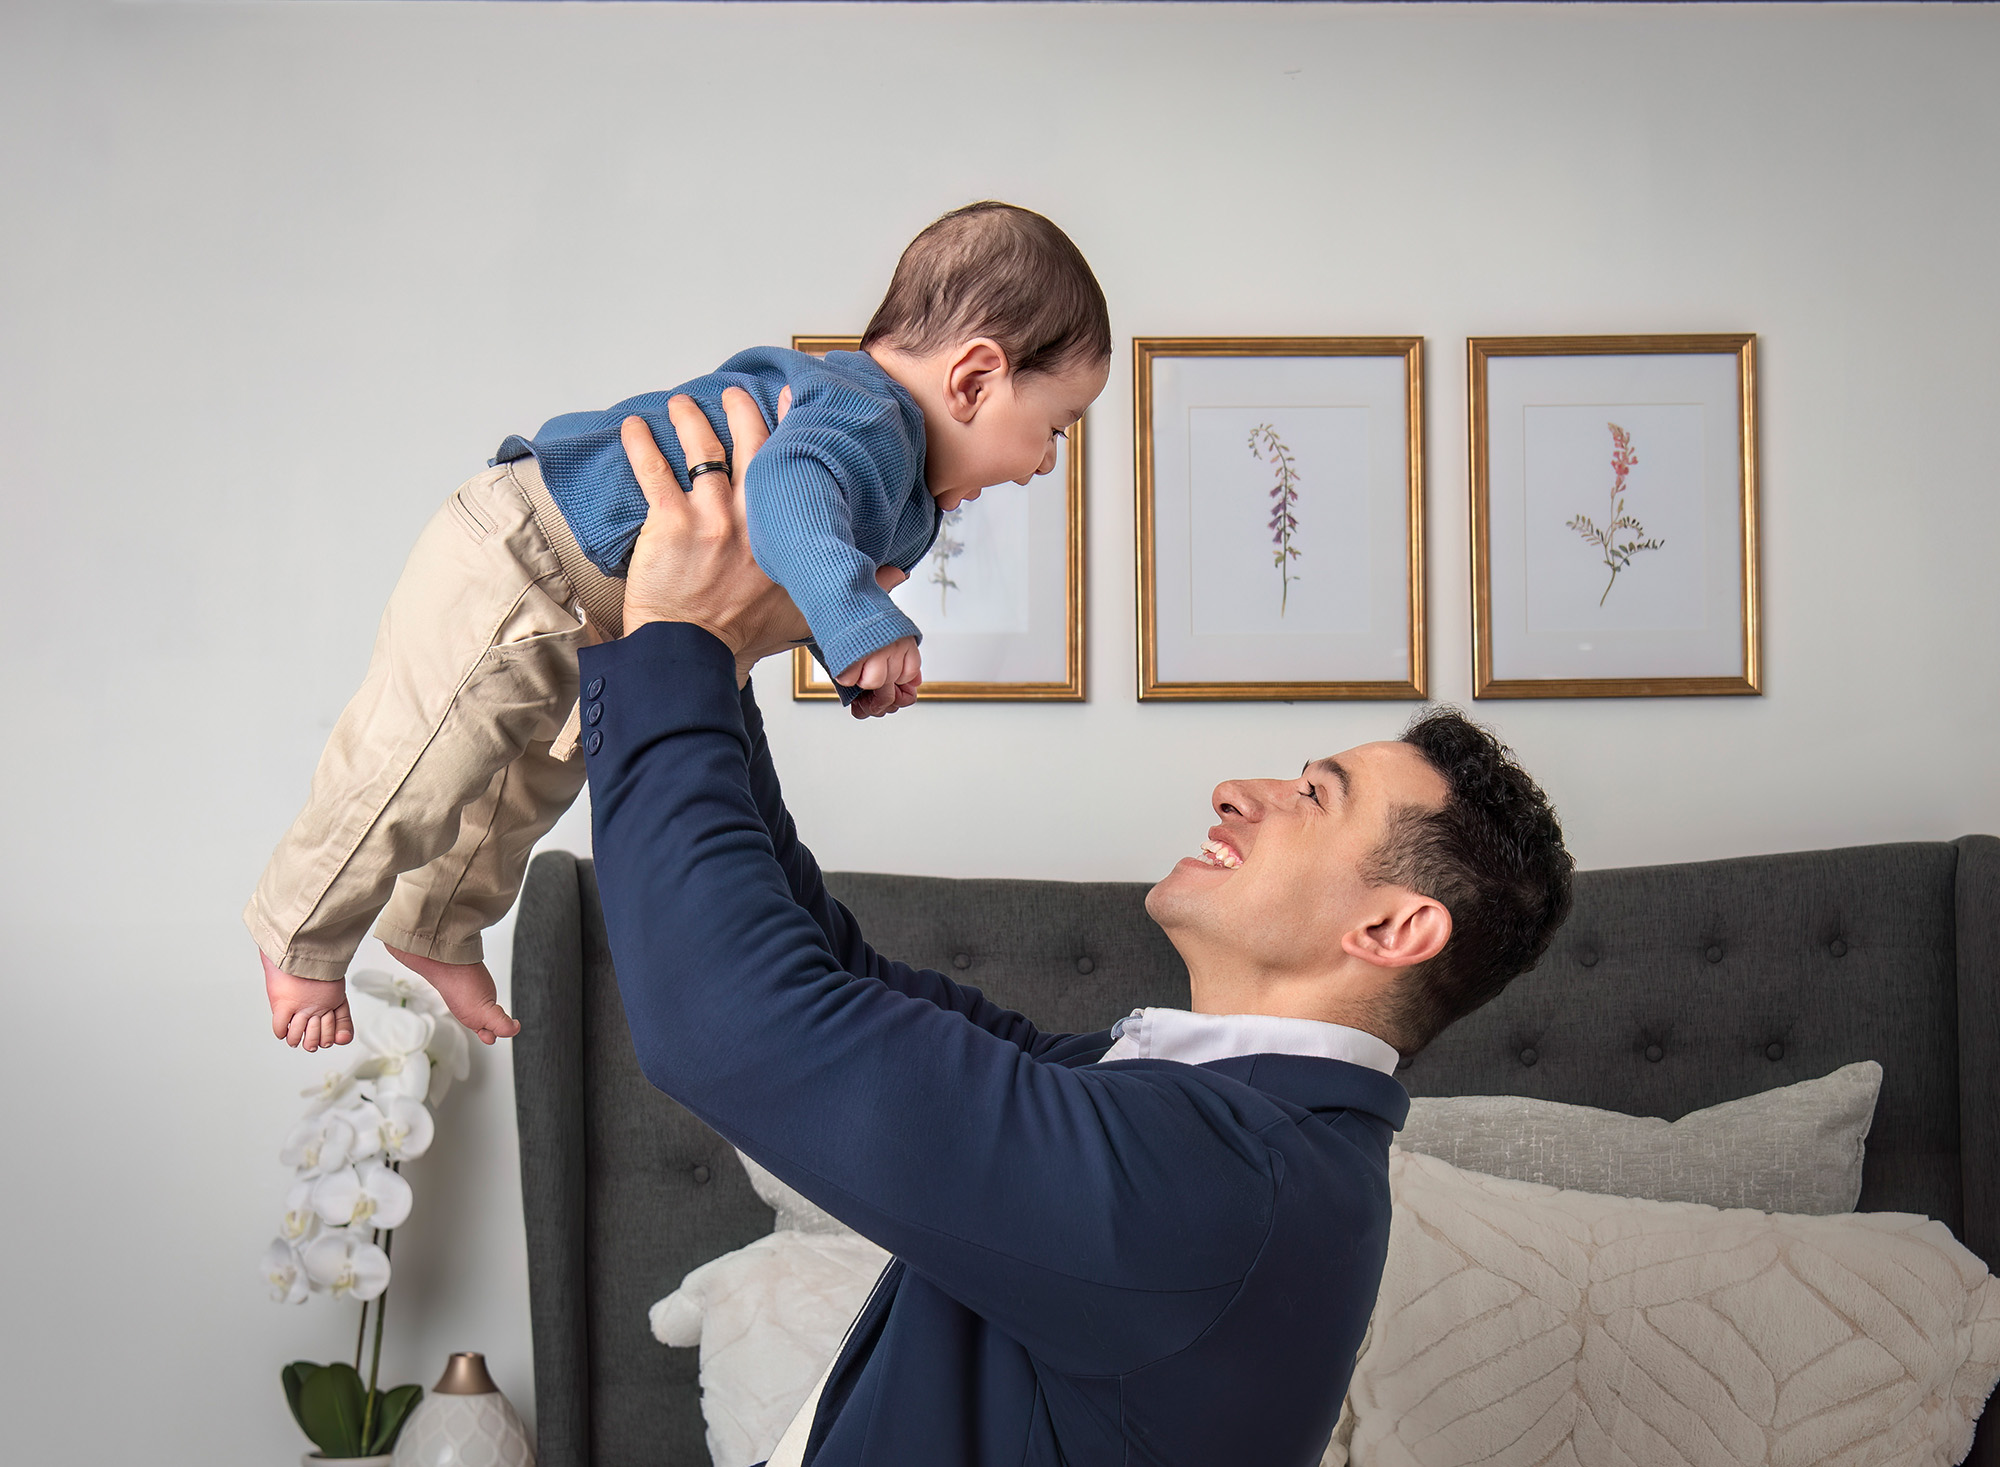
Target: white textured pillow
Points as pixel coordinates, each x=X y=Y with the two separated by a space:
x=795 y=1213
x=769 y=1318
x=1519 y=1324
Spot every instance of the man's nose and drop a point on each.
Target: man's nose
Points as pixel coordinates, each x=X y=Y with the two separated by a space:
x=1238 y=797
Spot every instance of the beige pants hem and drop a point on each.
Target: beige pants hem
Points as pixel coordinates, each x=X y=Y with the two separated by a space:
x=423 y=945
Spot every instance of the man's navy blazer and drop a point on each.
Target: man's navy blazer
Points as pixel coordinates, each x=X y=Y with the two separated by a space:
x=1134 y=1263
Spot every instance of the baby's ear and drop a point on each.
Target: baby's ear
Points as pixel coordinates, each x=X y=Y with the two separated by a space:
x=970 y=375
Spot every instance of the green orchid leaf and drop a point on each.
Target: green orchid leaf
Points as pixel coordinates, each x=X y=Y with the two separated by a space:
x=294 y=1377
x=392 y=1408
x=330 y=1404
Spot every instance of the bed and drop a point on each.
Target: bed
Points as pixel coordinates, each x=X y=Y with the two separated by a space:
x=1670 y=989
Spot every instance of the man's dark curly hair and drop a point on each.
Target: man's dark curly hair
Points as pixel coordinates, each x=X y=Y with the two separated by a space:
x=1493 y=854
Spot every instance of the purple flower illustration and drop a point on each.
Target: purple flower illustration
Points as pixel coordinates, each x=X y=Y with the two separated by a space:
x=1267 y=446
x=1617 y=555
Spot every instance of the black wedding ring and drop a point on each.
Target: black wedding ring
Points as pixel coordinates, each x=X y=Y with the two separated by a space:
x=713 y=466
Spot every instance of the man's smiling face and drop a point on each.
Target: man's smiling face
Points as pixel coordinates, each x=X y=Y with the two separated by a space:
x=1278 y=883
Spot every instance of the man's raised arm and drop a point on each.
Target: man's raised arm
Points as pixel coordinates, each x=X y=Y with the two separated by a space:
x=1017 y=1185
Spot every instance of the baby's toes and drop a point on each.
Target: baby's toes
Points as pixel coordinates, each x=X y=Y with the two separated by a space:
x=490 y=1022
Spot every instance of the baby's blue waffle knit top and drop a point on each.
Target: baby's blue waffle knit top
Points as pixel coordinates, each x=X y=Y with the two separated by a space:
x=837 y=491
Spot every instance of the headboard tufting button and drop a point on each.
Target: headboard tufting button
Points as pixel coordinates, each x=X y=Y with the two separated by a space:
x=1655 y=1053
x=1528 y=1056
x=1837 y=948
x=1588 y=957
x=1714 y=954
x=700 y=1173
x=1403 y=1062
x=1085 y=966
x=962 y=961
x=1774 y=1051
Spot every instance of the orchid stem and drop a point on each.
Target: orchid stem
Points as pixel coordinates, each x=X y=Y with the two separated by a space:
x=361 y=1337
x=375 y=1359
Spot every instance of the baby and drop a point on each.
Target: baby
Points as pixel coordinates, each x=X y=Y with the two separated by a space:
x=459 y=751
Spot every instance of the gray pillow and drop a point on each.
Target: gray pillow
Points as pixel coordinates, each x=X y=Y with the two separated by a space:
x=1794 y=1149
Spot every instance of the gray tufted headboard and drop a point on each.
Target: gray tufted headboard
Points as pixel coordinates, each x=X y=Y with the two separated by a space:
x=1672 y=988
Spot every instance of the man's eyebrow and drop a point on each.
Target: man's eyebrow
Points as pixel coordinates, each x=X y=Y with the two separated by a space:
x=1337 y=770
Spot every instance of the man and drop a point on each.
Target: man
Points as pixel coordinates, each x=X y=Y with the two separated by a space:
x=1155 y=1246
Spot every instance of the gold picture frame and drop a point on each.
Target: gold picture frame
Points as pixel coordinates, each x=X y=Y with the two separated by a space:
x=1701 y=378
x=1398 y=658
x=810 y=683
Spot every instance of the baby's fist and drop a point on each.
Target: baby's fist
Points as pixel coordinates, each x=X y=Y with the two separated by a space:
x=885 y=680
x=886 y=667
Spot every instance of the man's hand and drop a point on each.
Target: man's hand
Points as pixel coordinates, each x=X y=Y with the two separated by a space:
x=692 y=562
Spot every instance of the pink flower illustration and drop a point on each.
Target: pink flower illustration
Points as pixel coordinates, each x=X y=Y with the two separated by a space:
x=1617 y=554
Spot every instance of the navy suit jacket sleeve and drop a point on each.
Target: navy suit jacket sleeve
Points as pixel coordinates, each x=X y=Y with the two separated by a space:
x=1103 y=1217
x=837 y=925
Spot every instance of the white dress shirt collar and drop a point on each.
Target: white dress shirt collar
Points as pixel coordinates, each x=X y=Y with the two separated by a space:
x=1198 y=1039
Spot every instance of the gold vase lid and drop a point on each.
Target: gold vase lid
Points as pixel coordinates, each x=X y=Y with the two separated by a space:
x=465 y=1375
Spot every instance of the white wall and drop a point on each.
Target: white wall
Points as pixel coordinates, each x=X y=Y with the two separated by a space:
x=274 y=278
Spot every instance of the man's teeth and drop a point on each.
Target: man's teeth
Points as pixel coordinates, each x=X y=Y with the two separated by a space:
x=1218 y=854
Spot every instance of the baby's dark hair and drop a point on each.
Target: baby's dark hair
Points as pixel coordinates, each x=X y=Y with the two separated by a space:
x=992 y=269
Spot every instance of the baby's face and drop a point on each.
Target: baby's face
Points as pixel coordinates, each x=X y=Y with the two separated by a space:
x=1013 y=436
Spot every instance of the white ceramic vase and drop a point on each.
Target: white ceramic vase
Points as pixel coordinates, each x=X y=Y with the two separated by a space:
x=463 y=1422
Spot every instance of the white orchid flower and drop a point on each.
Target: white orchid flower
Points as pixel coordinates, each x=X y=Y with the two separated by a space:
x=366 y=1196
x=300 y=1221
x=406 y=1130
x=366 y=1119
x=285 y=1272
x=400 y=990
x=395 y=1126
x=450 y=1054
x=346 y=1265
x=319 y=1144
x=397 y=1064
x=335 y=1088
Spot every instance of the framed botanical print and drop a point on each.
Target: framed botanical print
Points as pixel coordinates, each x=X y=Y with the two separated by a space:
x=1280 y=517
x=1000 y=596
x=1614 y=516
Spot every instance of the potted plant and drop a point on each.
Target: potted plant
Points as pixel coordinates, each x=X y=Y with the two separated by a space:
x=343 y=1418
x=348 y=1197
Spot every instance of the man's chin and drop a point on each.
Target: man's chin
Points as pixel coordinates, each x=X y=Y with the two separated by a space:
x=1170 y=896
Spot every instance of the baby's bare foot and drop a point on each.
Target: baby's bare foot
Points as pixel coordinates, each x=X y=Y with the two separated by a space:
x=467 y=990
x=307 y=1013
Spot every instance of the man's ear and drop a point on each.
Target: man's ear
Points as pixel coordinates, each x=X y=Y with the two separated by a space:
x=971 y=374
x=1413 y=931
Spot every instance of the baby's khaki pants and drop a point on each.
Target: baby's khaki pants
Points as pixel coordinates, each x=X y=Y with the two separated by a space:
x=458 y=753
